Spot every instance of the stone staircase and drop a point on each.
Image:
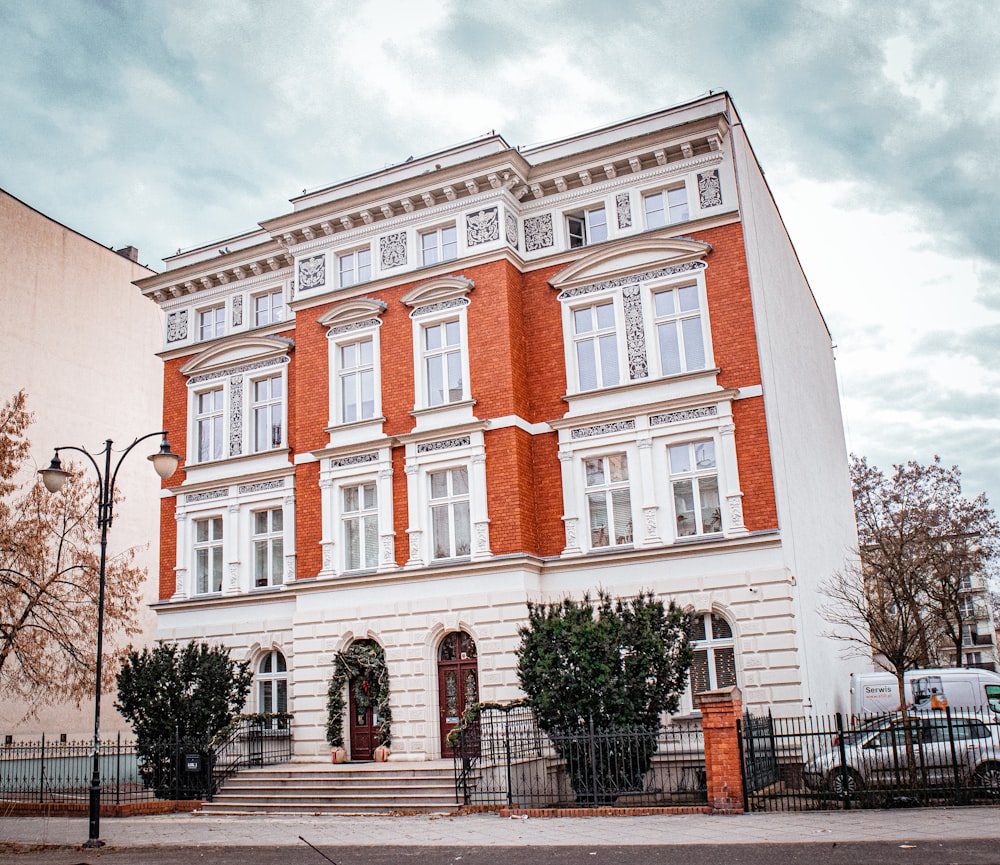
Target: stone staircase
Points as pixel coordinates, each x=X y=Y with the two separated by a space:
x=346 y=788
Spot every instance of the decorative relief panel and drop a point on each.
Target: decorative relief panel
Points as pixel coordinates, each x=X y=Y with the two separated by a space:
x=586 y=432
x=650 y=516
x=235 y=415
x=510 y=224
x=709 y=188
x=312 y=272
x=629 y=280
x=207 y=496
x=388 y=549
x=237 y=370
x=624 y=208
x=367 y=324
x=443 y=445
x=441 y=305
x=570 y=526
x=237 y=310
x=261 y=487
x=177 y=326
x=635 y=333
x=392 y=249
x=735 y=510
x=482 y=538
x=327 y=557
x=482 y=227
x=538 y=232
x=356 y=460
x=687 y=414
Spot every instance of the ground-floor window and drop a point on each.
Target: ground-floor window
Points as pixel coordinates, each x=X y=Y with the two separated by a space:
x=272 y=683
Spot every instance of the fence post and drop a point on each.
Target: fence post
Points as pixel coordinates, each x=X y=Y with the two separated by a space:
x=41 y=774
x=720 y=710
x=506 y=748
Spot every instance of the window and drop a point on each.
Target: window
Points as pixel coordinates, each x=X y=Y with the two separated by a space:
x=360 y=518
x=666 y=208
x=587 y=226
x=695 y=488
x=450 y=526
x=208 y=425
x=272 y=683
x=268 y=308
x=678 y=330
x=438 y=245
x=208 y=555
x=356 y=368
x=713 y=664
x=967 y=608
x=212 y=322
x=355 y=267
x=443 y=362
x=609 y=504
x=268 y=548
x=596 y=340
x=268 y=413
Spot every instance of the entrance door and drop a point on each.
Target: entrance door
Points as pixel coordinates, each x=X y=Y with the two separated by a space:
x=364 y=722
x=458 y=683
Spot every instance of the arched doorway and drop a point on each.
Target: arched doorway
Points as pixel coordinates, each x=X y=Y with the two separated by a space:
x=458 y=682
x=367 y=667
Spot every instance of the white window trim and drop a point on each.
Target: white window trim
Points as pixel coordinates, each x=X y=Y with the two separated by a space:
x=259 y=678
x=586 y=212
x=653 y=287
x=268 y=536
x=438 y=231
x=213 y=307
x=250 y=446
x=355 y=268
x=687 y=701
x=664 y=189
x=268 y=293
x=465 y=450
x=372 y=465
x=569 y=309
x=211 y=544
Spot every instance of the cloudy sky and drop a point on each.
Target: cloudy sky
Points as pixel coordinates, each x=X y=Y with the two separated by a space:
x=169 y=124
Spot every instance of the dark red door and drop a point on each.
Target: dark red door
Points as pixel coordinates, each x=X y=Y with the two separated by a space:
x=458 y=683
x=363 y=726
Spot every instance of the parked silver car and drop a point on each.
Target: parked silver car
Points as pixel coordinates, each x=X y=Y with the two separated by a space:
x=877 y=757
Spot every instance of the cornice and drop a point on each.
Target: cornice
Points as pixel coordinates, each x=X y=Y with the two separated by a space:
x=659 y=406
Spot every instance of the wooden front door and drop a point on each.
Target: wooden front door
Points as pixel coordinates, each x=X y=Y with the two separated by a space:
x=364 y=722
x=458 y=683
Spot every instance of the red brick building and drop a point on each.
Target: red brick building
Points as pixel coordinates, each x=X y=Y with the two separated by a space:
x=428 y=395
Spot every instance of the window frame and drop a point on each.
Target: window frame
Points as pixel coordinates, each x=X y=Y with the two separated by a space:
x=595 y=335
x=218 y=323
x=356 y=268
x=710 y=646
x=268 y=537
x=275 y=310
x=214 y=548
x=440 y=246
x=216 y=417
x=676 y=321
x=586 y=226
x=447 y=504
x=616 y=536
x=363 y=516
x=670 y=210
x=268 y=404
x=274 y=677
x=695 y=476
x=341 y=373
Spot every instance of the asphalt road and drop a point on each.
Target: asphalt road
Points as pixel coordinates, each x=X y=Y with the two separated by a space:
x=963 y=852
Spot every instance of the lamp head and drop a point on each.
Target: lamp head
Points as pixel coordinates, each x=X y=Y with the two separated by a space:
x=54 y=476
x=165 y=462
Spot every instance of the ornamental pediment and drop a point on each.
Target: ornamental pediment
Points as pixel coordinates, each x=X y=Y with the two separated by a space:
x=437 y=290
x=640 y=254
x=237 y=350
x=350 y=311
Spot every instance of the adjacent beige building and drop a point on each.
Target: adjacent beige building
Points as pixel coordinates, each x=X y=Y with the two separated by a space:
x=83 y=344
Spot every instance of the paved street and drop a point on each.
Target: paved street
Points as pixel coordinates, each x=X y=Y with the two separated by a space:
x=934 y=835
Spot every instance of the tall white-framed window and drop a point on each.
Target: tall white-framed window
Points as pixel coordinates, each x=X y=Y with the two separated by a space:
x=272 y=683
x=967 y=608
x=209 y=424
x=595 y=340
x=609 y=500
x=584 y=227
x=356 y=376
x=666 y=207
x=268 y=408
x=713 y=662
x=451 y=531
x=355 y=267
x=212 y=322
x=268 y=308
x=439 y=244
x=694 y=478
x=680 y=338
x=208 y=555
x=443 y=362
x=268 y=548
x=359 y=526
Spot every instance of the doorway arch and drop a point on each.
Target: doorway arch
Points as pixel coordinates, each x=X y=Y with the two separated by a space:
x=458 y=682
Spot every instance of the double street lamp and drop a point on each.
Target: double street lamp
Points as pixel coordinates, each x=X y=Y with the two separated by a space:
x=165 y=464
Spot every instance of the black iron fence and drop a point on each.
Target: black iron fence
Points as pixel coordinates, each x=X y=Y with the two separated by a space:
x=51 y=771
x=876 y=761
x=502 y=757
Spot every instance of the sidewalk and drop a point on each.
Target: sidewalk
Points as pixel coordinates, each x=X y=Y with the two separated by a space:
x=173 y=830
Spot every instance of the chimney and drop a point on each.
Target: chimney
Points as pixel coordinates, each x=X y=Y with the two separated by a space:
x=129 y=252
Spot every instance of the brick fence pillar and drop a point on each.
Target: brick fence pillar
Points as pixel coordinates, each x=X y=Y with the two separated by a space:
x=723 y=773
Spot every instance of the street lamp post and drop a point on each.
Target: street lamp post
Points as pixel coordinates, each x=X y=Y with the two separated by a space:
x=164 y=463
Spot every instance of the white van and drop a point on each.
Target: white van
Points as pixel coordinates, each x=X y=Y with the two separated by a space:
x=957 y=687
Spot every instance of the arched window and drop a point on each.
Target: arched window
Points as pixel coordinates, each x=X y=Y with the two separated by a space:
x=272 y=683
x=714 y=662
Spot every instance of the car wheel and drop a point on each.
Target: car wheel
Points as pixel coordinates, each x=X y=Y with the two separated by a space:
x=988 y=779
x=845 y=782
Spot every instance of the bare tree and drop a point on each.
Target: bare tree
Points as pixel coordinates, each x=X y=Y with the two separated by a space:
x=49 y=572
